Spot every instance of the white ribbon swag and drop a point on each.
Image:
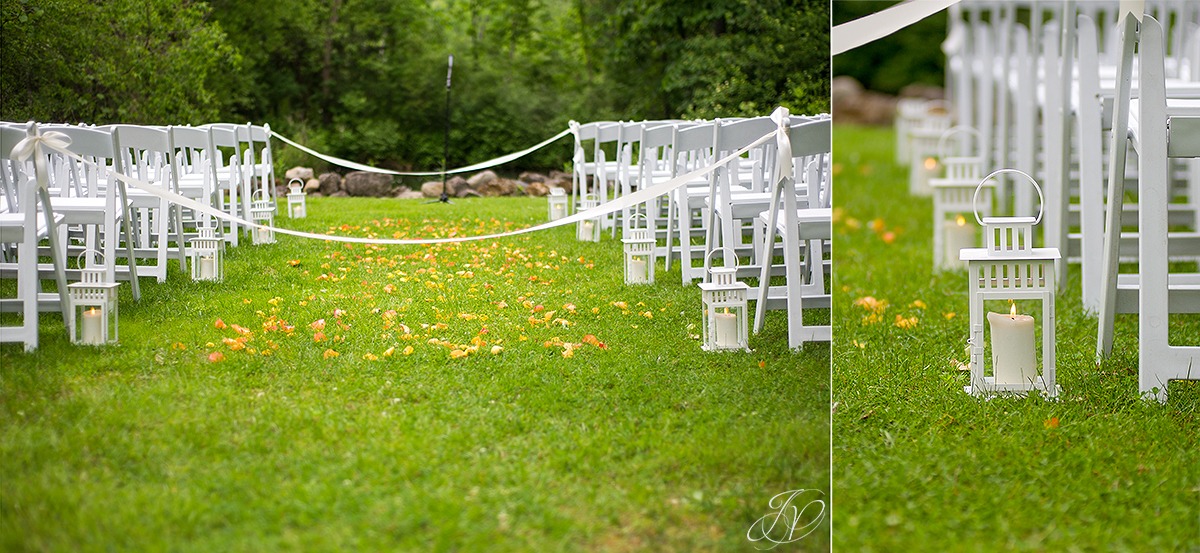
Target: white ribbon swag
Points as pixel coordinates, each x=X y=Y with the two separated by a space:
x=475 y=167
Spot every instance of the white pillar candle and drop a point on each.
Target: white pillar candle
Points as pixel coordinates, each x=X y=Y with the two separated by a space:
x=586 y=230
x=1014 y=359
x=299 y=213
x=956 y=235
x=923 y=168
x=726 y=328
x=558 y=211
x=208 y=267
x=637 y=270
x=93 y=333
x=264 y=235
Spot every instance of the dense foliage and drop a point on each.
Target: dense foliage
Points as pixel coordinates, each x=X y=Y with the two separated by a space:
x=365 y=79
x=888 y=64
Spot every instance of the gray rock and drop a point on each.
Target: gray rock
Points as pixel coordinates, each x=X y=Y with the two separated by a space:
x=339 y=194
x=432 y=189
x=538 y=189
x=330 y=183
x=312 y=185
x=531 y=177
x=465 y=192
x=498 y=187
x=411 y=195
x=302 y=173
x=479 y=180
x=366 y=184
x=457 y=183
x=854 y=104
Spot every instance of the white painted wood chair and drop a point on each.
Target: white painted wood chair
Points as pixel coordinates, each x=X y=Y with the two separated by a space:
x=97 y=205
x=805 y=229
x=692 y=149
x=1157 y=128
x=145 y=153
x=29 y=218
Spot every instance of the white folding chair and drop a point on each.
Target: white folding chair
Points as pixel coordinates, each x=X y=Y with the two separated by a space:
x=97 y=204
x=1158 y=129
x=805 y=228
x=22 y=225
x=145 y=153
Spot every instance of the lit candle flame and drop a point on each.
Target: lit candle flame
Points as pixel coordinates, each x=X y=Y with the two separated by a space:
x=930 y=164
x=1012 y=311
x=962 y=221
x=93 y=311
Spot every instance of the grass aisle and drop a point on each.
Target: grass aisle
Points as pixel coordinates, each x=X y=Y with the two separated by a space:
x=508 y=395
x=919 y=465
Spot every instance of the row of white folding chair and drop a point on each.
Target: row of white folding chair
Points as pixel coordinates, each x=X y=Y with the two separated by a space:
x=1091 y=88
x=1028 y=97
x=1094 y=98
x=737 y=193
x=29 y=218
x=91 y=213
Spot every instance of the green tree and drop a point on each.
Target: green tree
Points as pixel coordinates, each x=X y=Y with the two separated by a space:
x=152 y=61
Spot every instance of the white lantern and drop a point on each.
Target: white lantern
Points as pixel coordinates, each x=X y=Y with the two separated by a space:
x=952 y=198
x=908 y=111
x=639 y=254
x=724 y=326
x=262 y=212
x=295 y=199
x=206 y=253
x=1009 y=268
x=588 y=230
x=558 y=203
x=923 y=142
x=94 y=306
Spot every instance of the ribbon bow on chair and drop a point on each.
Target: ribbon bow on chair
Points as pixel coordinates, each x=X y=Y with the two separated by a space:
x=33 y=144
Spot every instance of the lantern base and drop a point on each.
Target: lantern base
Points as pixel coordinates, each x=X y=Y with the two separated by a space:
x=707 y=347
x=990 y=388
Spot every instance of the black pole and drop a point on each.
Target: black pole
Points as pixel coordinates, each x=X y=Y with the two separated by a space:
x=446 y=143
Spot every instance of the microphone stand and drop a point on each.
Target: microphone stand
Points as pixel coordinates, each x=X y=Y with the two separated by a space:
x=445 y=198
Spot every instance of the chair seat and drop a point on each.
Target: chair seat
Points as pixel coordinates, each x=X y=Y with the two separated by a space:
x=815 y=224
x=12 y=226
x=84 y=210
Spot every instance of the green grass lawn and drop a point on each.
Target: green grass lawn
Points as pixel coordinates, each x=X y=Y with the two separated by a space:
x=920 y=465
x=507 y=395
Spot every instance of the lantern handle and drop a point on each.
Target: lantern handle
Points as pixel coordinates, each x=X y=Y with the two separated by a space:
x=79 y=258
x=636 y=215
x=259 y=193
x=708 y=258
x=941 y=147
x=1041 y=199
x=295 y=180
